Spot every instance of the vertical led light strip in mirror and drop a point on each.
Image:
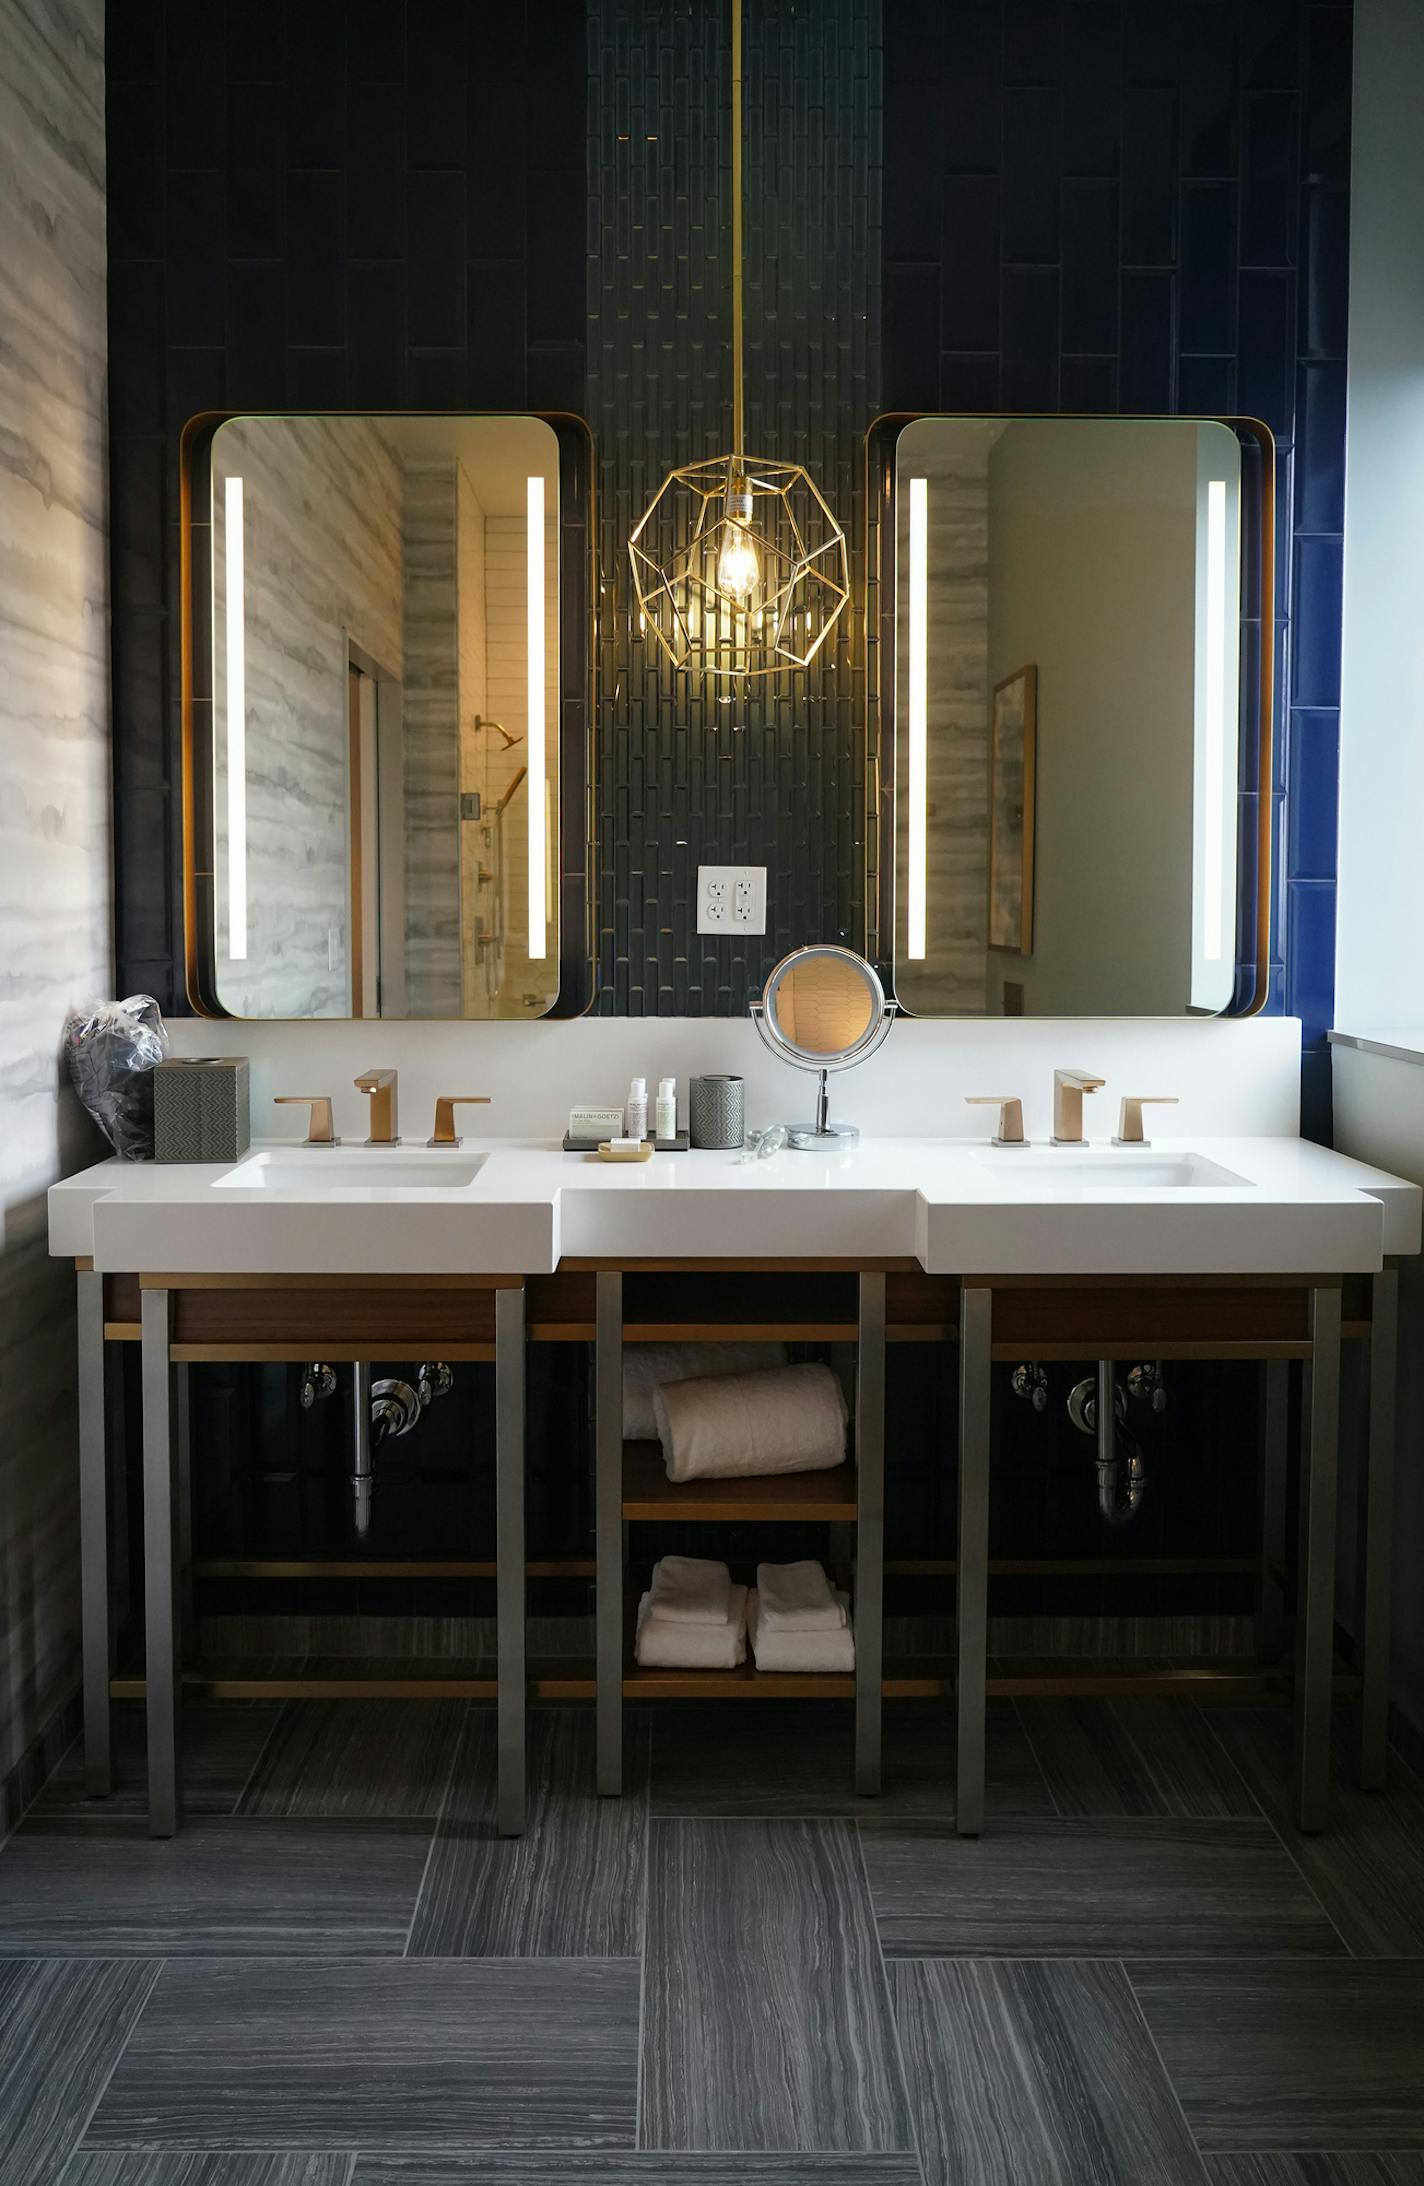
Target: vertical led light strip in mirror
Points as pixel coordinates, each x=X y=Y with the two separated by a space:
x=918 y=816
x=235 y=634
x=538 y=940
x=1213 y=849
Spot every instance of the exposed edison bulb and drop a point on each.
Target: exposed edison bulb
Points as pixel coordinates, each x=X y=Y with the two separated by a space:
x=738 y=570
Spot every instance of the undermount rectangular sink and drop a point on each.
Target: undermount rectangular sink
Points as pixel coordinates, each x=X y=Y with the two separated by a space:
x=1123 y=1171
x=332 y=1172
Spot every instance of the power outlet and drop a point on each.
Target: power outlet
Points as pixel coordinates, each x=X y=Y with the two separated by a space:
x=731 y=899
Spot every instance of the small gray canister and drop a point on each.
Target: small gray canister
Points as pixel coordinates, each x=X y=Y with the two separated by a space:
x=717 y=1111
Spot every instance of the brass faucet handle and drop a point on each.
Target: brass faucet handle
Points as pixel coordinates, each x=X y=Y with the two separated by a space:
x=1010 y=1107
x=1129 y=1122
x=381 y=1085
x=446 y=1103
x=319 y=1122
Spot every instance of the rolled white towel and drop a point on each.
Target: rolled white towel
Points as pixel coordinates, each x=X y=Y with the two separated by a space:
x=647 y=1366
x=798 y=1598
x=690 y=1590
x=660 y=1645
x=792 y=1420
x=829 y=1651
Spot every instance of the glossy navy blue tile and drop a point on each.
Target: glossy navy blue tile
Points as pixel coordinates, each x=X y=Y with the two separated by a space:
x=1317 y=1119
x=1090 y=267
x=257 y=337
x=436 y=62
x=1270 y=199
x=555 y=261
x=914 y=33
x=1033 y=41
x=256 y=41
x=316 y=256
x=1270 y=44
x=375 y=31
x=194 y=380
x=1320 y=446
x=1326 y=247
x=375 y=169
x=196 y=292
x=1265 y=382
x=1206 y=307
x=968 y=382
x=1032 y=161
x=969 y=83
x=495 y=301
x=196 y=67
x=1310 y=953
x=1088 y=384
x=317 y=379
x=316 y=84
x=1092 y=87
x=133 y=42
x=1316 y=623
x=1312 y=806
x=969 y=256
x=135 y=154
x=557 y=375
x=435 y=379
x=1028 y=370
x=435 y=258
x=1329 y=37
x=912 y=161
x=497 y=200
x=255 y=178
x=375 y=319
x=1206 y=386
x=1149 y=178
x=1147 y=315
x=1209 y=64
x=911 y=336
x=558 y=115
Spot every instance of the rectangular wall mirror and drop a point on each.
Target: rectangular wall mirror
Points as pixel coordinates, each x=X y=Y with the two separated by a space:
x=1071 y=662
x=379 y=749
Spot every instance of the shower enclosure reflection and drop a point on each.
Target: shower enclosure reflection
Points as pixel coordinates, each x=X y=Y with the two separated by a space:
x=385 y=616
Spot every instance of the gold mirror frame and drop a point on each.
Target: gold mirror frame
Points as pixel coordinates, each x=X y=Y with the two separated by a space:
x=578 y=549
x=1258 y=583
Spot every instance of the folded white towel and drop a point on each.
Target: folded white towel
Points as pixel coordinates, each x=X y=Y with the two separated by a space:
x=792 y=1420
x=798 y=1598
x=800 y=1650
x=690 y=1590
x=663 y=1646
x=647 y=1366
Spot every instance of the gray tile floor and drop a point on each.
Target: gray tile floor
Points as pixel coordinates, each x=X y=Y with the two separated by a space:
x=338 y=1975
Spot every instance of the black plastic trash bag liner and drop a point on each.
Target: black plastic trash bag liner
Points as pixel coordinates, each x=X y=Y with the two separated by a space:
x=111 y=1049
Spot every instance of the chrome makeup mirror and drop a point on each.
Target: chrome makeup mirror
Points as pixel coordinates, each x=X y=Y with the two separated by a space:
x=824 y=1009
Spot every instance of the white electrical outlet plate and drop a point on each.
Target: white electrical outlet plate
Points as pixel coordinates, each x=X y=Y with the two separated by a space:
x=731 y=899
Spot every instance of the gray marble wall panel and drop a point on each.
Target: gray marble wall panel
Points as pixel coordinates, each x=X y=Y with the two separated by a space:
x=322 y=565
x=54 y=792
x=430 y=529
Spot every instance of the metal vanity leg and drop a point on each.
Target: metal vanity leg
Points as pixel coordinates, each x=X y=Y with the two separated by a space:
x=869 y=1531
x=608 y=1527
x=972 y=1665
x=183 y=1443
x=162 y=1666
x=1377 y=1530
x=509 y=1367
x=1275 y=1436
x=94 y=1538
x=1315 y=1612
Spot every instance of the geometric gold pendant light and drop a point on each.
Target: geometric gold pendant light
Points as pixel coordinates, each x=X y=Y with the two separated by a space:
x=739 y=566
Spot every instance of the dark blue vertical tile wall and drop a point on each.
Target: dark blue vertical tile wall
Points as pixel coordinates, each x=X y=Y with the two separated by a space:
x=346 y=204
x=689 y=770
x=1142 y=205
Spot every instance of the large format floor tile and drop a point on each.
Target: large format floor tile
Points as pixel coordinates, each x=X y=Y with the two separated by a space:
x=598 y=2168
x=1367 y=1868
x=353 y=1760
x=61 y=2028
x=1293 y=2057
x=379 y=2055
x=103 y=2168
x=766 y=2021
x=82 y=1888
x=572 y=1885
x=221 y=1745
x=1038 y=2073
x=1091 y=1889
x=772 y=1762
x=1134 y=1757
x=1346 y=2170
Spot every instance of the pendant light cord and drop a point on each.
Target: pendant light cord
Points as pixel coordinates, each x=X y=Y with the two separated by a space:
x=738 y=408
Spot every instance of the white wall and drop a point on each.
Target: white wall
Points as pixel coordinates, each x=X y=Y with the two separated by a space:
x=54 y=793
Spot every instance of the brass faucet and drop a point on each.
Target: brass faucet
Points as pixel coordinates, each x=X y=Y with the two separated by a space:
x=381 y=1085
x=1069 y=1086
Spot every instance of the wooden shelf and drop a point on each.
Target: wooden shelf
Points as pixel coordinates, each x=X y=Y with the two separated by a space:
x=747 y=1683
x=649 y=1494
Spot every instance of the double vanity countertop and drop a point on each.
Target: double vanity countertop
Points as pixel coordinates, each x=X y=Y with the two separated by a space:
x=1208 y=1206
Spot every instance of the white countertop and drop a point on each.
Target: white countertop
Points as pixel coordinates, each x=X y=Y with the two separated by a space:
x=957 y=1206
